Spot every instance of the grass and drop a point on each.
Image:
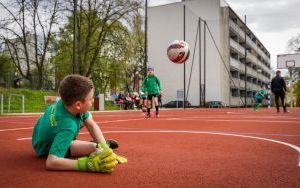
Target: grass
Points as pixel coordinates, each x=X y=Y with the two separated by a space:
x=33 y=100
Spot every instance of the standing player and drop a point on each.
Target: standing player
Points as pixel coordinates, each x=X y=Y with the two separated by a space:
x=152 y=89
x=259 y=96
x=278 y=88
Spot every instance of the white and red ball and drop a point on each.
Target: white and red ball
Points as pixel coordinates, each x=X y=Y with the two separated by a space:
x=178 y=51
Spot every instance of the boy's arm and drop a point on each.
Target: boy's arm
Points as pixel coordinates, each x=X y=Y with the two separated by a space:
x=55 y=163
x=94 y=130
x=103 y=161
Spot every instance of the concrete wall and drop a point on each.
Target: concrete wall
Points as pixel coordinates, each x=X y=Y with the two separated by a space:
x=165 y=24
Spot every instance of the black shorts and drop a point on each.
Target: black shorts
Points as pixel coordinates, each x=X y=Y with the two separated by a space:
x=68 y=154
x=149 y=97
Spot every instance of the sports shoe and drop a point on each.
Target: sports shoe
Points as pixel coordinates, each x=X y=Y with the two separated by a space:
x=113 y=144
x=157 y=114
x=148 y=116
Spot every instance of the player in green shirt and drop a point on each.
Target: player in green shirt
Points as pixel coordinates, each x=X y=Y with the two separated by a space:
x=55 y=132
x=152 y=89
x=259 y=96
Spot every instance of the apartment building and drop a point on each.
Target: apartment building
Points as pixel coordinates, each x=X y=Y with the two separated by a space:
x=221 y=46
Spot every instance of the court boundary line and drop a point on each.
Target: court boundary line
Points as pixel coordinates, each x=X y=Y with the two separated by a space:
x=202 y=132
x=165 y=119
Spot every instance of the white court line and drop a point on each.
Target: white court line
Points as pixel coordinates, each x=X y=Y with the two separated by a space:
x=16 y=129
x=103 y=122
x=205 y=132
x=170 y=119
x=236 y=120
x=258 y=121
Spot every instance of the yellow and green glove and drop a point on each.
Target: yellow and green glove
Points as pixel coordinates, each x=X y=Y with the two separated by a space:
x=112 y=144
x=121 y=160
x=102 y=160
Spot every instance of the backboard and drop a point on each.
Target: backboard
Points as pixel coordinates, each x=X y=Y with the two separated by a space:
x=285 y=61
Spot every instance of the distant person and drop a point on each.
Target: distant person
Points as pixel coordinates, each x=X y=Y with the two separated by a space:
x=259 y=96
x=143 y=99
x=152 y=89
x=55 y=132
x=278 y=88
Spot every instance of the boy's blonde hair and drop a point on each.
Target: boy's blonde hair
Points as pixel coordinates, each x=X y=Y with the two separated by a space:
x=74 y=88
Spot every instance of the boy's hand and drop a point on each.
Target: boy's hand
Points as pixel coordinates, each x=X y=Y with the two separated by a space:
x=102 y=160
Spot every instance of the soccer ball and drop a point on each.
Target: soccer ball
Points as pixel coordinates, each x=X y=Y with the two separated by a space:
x=178 y=51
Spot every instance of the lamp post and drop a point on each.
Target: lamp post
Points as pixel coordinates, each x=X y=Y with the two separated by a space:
x=245 y=63
x=74 y=65
x=183 y=103
x=146 y=39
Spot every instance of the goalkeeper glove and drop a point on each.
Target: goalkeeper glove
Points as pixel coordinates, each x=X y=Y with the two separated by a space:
x=113 y=144
x=102 y=160
x=121 y=160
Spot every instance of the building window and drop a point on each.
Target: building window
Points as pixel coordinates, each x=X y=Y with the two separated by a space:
x=242 y=93
x=235 y=92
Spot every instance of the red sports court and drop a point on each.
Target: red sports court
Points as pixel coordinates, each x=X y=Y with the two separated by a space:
x=183 y=148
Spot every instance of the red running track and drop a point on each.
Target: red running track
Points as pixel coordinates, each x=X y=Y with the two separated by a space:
x=182 y=148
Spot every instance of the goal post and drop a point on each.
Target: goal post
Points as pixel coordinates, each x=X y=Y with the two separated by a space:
x=16 y=95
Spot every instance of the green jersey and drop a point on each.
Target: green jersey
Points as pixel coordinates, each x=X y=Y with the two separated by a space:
x=55 y=130
x=152 y=85
x=260 y=94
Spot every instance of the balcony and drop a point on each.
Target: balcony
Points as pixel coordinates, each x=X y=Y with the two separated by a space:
x=235 y=63
x=240 y=32
x=235 y=83
x=237 y=46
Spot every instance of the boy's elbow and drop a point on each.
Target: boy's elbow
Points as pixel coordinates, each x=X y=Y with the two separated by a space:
x=52 y=162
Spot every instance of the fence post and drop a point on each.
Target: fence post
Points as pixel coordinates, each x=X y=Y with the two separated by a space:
x=22 y=102
x=23 y=105
x=9 y=98
x=1 y=107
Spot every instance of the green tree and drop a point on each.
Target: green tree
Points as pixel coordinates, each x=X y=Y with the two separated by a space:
x=294 y=46
x=6 y=70
x=27 y=31
x=102 y=43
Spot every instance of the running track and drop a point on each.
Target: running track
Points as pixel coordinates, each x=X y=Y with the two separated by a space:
x=182 y=148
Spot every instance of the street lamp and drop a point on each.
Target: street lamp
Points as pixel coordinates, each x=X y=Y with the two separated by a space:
x=146 y=38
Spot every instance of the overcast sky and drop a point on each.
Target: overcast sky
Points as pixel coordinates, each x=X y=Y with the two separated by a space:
x=274 y=22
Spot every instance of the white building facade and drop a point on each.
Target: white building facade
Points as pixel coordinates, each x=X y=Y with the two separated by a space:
x=216 y=65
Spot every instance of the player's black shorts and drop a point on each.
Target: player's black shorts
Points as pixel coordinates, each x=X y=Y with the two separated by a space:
x=149 y=97
x=68 y=154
